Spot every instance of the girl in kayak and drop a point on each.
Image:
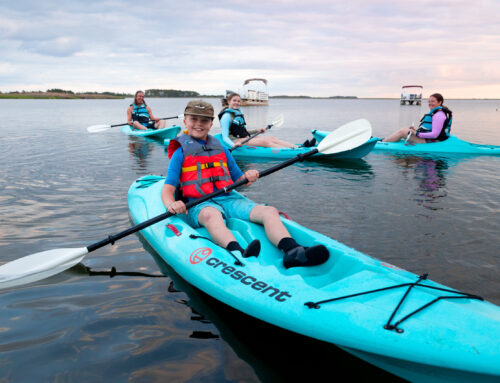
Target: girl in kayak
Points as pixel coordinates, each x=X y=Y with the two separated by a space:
x=140 y=116
x=434 y=126
x=234 y=130
x=199 y=165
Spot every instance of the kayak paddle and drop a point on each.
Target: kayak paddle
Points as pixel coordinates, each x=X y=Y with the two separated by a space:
x=409 y=133
x=44 y=264
x=102 y=128
x=277 y=123
x=408 y=137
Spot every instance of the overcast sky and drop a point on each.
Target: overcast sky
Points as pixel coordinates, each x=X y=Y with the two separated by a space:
x=313 y=47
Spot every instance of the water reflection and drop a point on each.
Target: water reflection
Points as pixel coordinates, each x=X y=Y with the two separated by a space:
x=112 y=272
x=430 y=174
x=140 y=150
x=357 y=166
x=347 y=166
x=432 y=181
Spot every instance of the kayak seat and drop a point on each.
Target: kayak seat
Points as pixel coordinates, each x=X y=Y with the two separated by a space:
x=245 y=232
x=239 y=238
x=340 y=265
x=330 y=274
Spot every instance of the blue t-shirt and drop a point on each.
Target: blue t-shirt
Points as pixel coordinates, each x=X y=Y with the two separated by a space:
x=175 y=166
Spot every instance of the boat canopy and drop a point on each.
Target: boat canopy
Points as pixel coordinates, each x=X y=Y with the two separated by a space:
x=255 y=79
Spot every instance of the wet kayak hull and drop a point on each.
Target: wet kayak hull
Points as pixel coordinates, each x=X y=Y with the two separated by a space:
x=157 y=134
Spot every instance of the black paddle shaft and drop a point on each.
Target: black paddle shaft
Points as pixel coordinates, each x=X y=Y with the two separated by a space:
x=111 y=239
x=249 y=138
x=164 y=118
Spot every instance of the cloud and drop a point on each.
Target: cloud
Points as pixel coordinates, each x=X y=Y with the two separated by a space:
x=320 y=48
x=57 y=47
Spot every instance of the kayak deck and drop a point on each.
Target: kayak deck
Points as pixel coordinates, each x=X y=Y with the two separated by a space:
x=158 y=134
x=247 y=151
x=298 y=299
x=452 y=145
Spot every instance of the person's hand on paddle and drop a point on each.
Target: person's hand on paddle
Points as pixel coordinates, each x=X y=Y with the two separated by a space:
x=177 y=207
x=411 y=131
x=251 y=176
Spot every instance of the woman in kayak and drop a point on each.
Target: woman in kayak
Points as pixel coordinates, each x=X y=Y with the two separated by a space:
x=140 y=116
x=199 y=165
x=434 y=126
x=234 y=130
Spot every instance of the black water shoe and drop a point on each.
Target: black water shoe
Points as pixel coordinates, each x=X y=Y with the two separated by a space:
x=306 y=256
x=253 y=249
x=309 y=143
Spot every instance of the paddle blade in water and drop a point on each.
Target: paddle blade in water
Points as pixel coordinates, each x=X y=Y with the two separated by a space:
x=347 y=137
x=98 y=128
x=38 y=266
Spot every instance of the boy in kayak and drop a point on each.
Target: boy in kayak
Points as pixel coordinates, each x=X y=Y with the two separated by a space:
x=199 y=165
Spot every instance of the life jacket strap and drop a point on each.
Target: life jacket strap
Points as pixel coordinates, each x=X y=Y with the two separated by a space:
x=205 y=180
x=207 y=165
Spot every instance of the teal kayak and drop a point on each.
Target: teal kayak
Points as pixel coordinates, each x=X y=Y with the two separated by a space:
x=157 y=134
x=452 y=145
x=246 y=151
x=408 y=325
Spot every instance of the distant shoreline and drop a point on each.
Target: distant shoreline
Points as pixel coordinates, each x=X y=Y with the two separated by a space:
x=69 y=95
x=61 y=95
x=149 y=94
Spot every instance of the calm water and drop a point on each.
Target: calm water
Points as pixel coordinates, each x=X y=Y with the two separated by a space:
x=63 y=187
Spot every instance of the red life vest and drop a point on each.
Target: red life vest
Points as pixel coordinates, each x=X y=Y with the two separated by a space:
x=204 y=168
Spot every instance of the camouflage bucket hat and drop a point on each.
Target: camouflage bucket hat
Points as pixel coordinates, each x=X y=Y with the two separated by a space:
x=199 y=108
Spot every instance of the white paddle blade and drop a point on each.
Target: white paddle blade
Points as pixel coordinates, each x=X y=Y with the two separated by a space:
x=98 y=128
x=278 y=121
x=408 y=136
x=38 y=266
x=347 y=137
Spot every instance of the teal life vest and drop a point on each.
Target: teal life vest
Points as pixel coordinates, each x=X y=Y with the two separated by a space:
x=426 y=123
x=238 y=127
x=140 y=114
